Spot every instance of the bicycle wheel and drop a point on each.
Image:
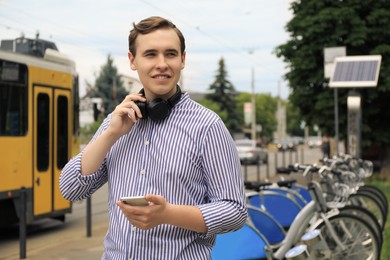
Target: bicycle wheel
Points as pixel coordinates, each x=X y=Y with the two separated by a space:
x=383 y=205
x=355 y=234
x=367 y=216
x=376 y=192
x=371 y=203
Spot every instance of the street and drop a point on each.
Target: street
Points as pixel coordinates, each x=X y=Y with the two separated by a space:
x=302 y=155
x=52 y=239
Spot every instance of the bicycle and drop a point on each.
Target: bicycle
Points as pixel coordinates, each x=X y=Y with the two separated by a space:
x=340 y=170
x=343 y=230
x=332 y=222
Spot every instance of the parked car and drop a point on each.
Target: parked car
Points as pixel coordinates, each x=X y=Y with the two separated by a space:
x=286 y=144
x=251 y=152
x=314 y=141
x=298 y=140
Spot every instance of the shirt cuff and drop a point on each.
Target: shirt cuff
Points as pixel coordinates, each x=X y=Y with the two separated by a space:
x=212 y=219
x=87 y=179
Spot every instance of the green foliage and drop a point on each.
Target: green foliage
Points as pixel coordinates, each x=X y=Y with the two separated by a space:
x=294 y=120
x=216 y=108
x=265 y=112
x=223 y=94
x=384 y=185
x=87 y=132
x=360 y=26
x=108 y=86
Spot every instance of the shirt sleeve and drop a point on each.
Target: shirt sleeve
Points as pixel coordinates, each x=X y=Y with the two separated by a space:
x=226 y=211
x=74 y=185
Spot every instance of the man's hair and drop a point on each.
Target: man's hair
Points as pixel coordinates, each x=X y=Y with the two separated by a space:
x=149 y=25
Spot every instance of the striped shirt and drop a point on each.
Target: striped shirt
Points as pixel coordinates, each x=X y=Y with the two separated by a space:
x=189 y=159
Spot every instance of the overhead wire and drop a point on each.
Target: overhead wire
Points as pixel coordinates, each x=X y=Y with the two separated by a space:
x=239 y=52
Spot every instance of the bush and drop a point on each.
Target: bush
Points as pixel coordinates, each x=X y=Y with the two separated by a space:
x=87 y=132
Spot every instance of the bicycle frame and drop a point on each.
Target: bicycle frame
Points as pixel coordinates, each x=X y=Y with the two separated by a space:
x=297 y=229
x=313 y=212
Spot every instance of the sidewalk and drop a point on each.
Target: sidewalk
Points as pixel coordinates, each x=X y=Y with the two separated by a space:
x=76 y=247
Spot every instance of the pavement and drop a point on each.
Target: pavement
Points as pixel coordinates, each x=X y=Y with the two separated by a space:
x=75 y=246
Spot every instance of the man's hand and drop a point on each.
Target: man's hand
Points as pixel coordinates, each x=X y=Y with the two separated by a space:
x=146 y=217
x=125 y=115
x=159 y=211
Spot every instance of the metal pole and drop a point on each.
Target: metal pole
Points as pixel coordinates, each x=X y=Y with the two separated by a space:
x=22 y=224
x=336 y=119
x=267 y=165
x=276 y=159
x=253 y=106
x=245 y=170
x=89 y=217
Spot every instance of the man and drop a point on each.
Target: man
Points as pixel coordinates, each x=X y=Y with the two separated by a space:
x=161 y=144
x=325 y=146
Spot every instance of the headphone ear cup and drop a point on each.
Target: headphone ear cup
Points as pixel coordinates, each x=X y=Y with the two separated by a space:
x=158 y=109
x=143 y=107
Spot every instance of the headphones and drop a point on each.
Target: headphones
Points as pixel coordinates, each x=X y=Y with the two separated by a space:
x=158 y=109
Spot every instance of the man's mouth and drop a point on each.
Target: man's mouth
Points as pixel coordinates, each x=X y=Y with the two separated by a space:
x=161 y=77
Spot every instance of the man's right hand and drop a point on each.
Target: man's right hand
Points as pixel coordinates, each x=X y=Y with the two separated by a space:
x=125 y=115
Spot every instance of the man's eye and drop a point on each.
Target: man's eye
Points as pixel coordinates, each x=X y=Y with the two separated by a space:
x=171 y=54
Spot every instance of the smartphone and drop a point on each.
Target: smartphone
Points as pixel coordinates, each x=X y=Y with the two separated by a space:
x=135 y=201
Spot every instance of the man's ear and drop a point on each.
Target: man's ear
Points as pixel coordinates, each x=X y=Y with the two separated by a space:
x=183 y=60
x=131 y=59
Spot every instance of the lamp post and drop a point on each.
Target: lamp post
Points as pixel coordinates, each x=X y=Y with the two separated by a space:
x=253 y=105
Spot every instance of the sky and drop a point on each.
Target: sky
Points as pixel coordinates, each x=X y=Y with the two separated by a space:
x=242 y=32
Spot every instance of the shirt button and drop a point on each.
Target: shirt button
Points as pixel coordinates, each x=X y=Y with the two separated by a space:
x=134 y=228
x=142 y=171
x=146 y=142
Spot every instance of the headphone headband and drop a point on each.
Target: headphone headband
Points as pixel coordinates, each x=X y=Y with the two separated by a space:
x=172 y=101
x=158 y=109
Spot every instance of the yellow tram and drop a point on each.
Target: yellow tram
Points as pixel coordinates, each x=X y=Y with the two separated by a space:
x=39 y=127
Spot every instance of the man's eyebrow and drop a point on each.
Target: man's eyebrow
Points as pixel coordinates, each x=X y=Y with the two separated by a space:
x=149 y=51
x=172 y=50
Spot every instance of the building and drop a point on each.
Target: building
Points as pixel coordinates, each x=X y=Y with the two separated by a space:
x=132 y=85
x=90 y=107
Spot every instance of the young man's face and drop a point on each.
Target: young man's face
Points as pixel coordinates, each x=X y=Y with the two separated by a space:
x=158 y=61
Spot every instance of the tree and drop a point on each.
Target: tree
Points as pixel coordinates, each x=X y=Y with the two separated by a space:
x=214 y=107
x=361 y=26
x=108 y=86
x=223 y=93
x=265 y=112
x=294 y=122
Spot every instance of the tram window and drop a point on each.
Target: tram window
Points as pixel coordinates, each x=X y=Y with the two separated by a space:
x=62 y=131
x=76 y=106
x=43 y=126
x=13 y=99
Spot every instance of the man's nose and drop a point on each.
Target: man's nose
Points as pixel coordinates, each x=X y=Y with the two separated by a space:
x=161 y=62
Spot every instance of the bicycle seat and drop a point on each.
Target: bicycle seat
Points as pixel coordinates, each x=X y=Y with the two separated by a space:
x=286 y=183
x=257 y=186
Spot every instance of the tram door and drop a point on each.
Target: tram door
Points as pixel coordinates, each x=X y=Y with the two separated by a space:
x=51 y=147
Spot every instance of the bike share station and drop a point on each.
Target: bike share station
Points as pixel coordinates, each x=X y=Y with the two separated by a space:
x=345 y=72
x=352 y=72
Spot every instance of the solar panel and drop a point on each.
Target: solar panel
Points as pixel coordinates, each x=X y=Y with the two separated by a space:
x=356 y=71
